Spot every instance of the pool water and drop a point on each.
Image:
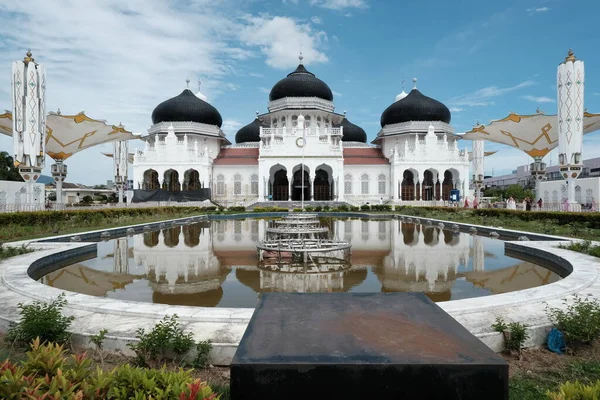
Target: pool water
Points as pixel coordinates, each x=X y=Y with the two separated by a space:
x=215 y=264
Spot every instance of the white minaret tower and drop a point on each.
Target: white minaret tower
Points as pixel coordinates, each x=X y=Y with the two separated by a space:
x=570 y=84
x=29 y=119
x=120 y=155
x=478 y=175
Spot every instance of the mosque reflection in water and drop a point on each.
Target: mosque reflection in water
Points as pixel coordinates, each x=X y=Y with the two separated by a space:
x=215 y=264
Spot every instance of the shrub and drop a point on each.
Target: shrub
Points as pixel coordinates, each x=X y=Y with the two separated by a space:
x=210 y=208
x=87 y=199
x=41 y=320
x=342 y=208
x=354 y=208
x=579 y=321
x=309 y=208
x=166 y=340
x=202 y=359
x=270 y=209
x=298 y=210
x=585 y=247
x=576 y=391
x=515 y=334
x=326 y=208
x=318 y=208
x=48 y=373
x=10 y=251
x=237 y=208
x=365 y=207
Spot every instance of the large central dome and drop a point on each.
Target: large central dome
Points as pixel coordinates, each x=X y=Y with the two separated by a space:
x=415 y=107
x=186 y=107
x=301 y=83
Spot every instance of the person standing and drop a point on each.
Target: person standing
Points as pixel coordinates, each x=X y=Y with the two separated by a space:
x=527 y=204
x=540 y=203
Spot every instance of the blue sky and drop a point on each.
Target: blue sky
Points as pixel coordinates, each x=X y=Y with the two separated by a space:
x=118 y=59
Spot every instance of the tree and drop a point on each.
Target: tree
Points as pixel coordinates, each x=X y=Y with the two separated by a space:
x=517 y=192
x=8 y=171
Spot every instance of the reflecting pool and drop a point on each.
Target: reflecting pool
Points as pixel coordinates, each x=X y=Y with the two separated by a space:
x=215 y=264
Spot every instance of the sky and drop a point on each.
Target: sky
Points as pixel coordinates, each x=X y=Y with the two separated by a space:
x=117 y=59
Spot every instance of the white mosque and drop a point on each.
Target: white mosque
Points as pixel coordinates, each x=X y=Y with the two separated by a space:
x=300 y=150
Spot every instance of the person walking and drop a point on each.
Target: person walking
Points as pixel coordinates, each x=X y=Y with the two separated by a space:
x=527 y=204
x=540 y=203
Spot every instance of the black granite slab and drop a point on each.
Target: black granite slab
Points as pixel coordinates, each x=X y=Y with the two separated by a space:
x=362 y=346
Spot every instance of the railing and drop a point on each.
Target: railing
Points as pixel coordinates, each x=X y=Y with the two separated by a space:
x=280 y=132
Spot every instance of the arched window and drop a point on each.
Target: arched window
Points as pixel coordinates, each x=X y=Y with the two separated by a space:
x=237 y=184
x=294 y=121
x=589 y=196
x=254 y=184
x=546 y=196
x=578 y=194
x=220 y=184
x=555 y=196
x=348 y=184
x=381 y=184
x=364 y=184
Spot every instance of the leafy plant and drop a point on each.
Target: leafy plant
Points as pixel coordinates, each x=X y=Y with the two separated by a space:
x=515 y=334
x=237 y=208
x=579 y=321
x=11 y=251
x=48 y=373
x=576 y=391
x=165 y=341
x=202 y=359
x=98 y=341
x=41 y=320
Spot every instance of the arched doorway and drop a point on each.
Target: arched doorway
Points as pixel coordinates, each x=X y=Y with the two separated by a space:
x=171 y=182
x=322 y=187
x=447 y=185
x=408 y=185
x=427 y=186
x=280 y=186
x=191 y=180
x=301 y=187
x=150 y=180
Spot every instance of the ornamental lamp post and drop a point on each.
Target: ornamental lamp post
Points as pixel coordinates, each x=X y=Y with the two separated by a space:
x=570 y=88
x=28 y=90
x=478 y=175
x=120 y=155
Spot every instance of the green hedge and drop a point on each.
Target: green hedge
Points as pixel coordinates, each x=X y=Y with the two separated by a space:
x=91 y=216
x=592 y=220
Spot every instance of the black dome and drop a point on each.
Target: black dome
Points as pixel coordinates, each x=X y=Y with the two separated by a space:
x=352 y=133
x=250 y=132
x=186 y=107
x=301 y=83
x=415 y=107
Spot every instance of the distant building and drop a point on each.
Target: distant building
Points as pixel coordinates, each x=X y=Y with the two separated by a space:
x=75 y=192
x=522 y=176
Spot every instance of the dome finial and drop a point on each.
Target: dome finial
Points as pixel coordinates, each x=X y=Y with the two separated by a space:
x=257 y=114
x=187 y=83
x=414 y=83
x=199 y=85
x=403 y=84
x=28 y=57
x=345 y=113
x=300 y=57
x=570 y=56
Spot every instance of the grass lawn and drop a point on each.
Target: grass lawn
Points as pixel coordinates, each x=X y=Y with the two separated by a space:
x=540 y=370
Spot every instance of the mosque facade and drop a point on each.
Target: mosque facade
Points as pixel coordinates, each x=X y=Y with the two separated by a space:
x=301 y=149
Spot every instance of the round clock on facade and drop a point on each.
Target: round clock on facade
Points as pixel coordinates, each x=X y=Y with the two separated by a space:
x=300 y=142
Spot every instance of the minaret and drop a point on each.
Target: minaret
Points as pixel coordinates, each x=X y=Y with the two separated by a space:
x=570 y=85
x=29 y=119
x=120 y=164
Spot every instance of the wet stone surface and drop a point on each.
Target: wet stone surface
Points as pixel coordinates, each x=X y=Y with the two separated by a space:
x=362 y=345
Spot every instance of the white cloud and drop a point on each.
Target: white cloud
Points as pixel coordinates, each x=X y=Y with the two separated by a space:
x=230 y=126
x=336 y=94
x=339 y=4
x=483 y=97
x=532 y=11
x=116 y=60
x=264 y=89
x=281 y=39
x=456 y=109
x=316 y=20
x=539 y=99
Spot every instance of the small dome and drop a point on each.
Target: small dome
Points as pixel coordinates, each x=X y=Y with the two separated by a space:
x=301 y=83
x=402 y=95
x=352 y=133
x=250 y=132
x=185 y=108
x=415 y=107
